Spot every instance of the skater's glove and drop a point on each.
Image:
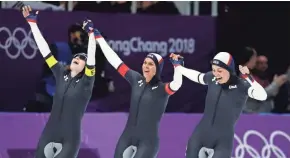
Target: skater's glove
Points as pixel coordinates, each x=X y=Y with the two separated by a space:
x=88 y=26
x=29 y=15
x=176 y=60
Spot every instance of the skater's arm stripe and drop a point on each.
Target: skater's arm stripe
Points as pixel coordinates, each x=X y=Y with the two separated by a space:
x=123 y=69
x=50 y=60
x=90 y=71
x=168 y=89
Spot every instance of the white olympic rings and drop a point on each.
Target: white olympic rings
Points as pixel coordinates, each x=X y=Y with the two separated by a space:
x=268 y=148
x=19 y=45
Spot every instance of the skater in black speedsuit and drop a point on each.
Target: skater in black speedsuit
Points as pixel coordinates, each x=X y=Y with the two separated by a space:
x=148 y=102
x=226 y=97
x=61 y=135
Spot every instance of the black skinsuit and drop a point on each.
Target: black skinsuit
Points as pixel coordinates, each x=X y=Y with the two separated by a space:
x=148 y=103
x=69 y=103
x=223 y=107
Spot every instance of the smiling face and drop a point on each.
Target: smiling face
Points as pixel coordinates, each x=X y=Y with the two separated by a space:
x=149 y=69
x=222 y=75
x=77 y=64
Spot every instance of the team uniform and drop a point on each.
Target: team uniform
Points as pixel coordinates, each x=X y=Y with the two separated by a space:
x=224 y=103
x=62 y=134
x=148 y=103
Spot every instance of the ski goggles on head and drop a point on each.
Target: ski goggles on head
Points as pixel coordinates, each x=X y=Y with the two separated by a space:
x=82 y=56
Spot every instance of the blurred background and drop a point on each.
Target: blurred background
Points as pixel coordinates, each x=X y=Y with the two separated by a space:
x=255 y=33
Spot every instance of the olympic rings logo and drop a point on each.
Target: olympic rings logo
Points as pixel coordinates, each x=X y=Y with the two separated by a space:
x=268 y=148
x=19 y=45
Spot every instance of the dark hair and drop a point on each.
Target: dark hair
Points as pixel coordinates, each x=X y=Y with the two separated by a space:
x=78 y=28
x=244 y=55
x=75 y=28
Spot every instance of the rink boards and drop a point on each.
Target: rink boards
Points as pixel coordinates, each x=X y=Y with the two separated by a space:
x=266 y=136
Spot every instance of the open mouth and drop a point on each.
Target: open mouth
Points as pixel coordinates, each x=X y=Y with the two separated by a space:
x=146 y=71
x=218 y=78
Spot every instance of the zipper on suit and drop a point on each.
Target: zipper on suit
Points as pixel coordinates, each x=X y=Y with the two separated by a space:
x=138 y=104
x=215 y=107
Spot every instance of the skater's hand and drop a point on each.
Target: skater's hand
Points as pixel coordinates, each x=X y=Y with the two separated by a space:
x=88 y=26
x=176 y=59
x=29 y=15
x=244 y=70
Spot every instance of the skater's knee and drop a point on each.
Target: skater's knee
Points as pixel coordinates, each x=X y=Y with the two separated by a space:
x=52 y=149
x=130 y=152
x=206 y=153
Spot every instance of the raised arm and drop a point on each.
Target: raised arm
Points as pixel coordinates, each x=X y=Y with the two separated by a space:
x=43 y=47
x=174 y=85
x=255 y=91
x=130 y=75
x=272 y=89
x=91 y=61
x=109 y=53
x=112 y=57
